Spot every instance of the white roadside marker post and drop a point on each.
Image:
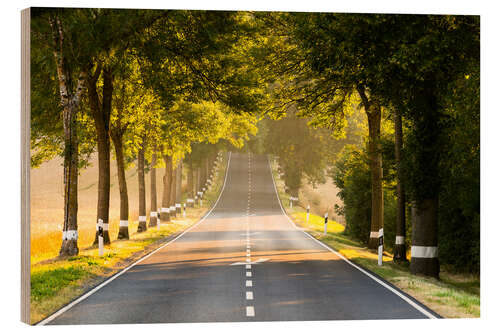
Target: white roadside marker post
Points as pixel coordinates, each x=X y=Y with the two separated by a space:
x=291 y=204
x=380 y=245
x=184 y=213
x=326 y=223
x=307 y=217
x=100 y=233
x=200 y=195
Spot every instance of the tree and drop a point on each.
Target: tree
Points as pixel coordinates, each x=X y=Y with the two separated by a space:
x=324 y=62
x=302 y=151
x=108 y=29
x=52 y=27
x=153 y=219
x=100 y=107
x=400 y=245
x=142 y=188
x=428 y=54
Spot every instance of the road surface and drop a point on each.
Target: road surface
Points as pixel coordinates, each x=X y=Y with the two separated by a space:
x=244 y=262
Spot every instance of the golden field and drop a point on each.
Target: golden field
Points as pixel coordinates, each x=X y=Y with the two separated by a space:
x=47 y=205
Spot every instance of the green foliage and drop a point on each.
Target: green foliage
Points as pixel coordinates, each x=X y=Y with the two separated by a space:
x=459 y=200
x=47 y=283
x=352 y=177
x=302 y=151
x=188 y=83
x=351 y=174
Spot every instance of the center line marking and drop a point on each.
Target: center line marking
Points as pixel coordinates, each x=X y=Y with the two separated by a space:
x=249 y=274
x=250 y=295
x=250 y=311
x=248 y=266
x=249 y=283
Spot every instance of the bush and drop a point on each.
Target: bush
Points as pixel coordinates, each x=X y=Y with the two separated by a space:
x=352 y=177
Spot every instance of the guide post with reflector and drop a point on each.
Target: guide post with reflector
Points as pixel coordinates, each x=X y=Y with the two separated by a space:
x=380 y=245
x=100 y=233
x=326 y=223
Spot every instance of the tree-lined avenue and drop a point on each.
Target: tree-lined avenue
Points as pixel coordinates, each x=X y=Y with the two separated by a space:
x=245 y=261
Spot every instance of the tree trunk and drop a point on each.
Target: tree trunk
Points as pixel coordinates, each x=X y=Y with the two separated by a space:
x=173 y=187
x=426 y=181
x=116 y=136
x=203 y=175
x=178 y=182
x=374 y=114
x=400 y=246
x=178 y=189
x=424 y=251
x=207 y=166
x=167 y=181
x=190 y=181
x=152 y=173
x=142 y=190
x=69 y=245
x=101 y=114
x=70 y=97
x=198 y=181
x=375 y=155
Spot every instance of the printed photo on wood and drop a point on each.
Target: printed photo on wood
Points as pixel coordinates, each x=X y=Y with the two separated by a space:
x=186 y=166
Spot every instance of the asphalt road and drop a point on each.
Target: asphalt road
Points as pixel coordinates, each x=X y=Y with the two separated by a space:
x=244 y=262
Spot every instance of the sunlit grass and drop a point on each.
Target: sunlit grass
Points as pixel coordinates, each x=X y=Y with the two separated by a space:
x=318 y=222
x=453 y=296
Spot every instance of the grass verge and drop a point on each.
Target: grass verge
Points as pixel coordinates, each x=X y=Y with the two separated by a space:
x=452 y=296
x=57 y=281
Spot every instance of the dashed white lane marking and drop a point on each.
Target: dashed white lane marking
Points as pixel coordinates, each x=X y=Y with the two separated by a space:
x=250 y=311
